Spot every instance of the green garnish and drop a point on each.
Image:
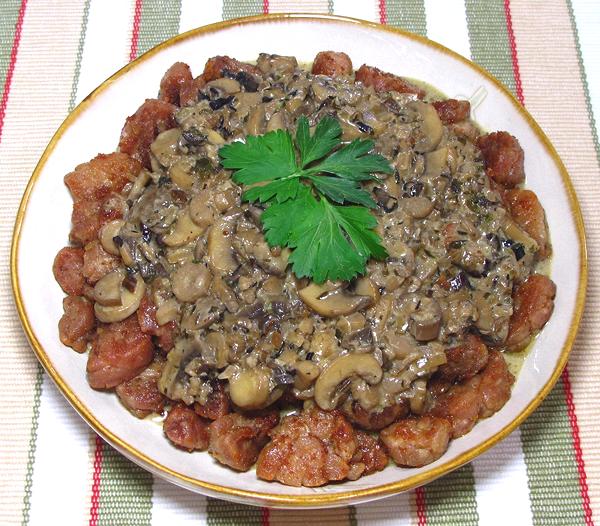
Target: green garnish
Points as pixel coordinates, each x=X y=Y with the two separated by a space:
x=307 y=211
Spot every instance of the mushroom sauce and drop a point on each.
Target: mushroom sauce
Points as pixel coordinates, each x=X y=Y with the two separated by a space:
x=454 y=252
x=182 y=303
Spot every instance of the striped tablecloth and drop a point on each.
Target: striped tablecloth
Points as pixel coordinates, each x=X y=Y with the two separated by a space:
x=55 y=470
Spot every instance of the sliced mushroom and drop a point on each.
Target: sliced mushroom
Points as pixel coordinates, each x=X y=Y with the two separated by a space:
x=365 y=366
x=225 y=84
x=184 y=230
x=516 y=233
x=435 y=162
x=139 y=185
x=418 y=207
x=191 y=281
x=203 y=313
x=201 y=210
x=256 y=121
x=426 y=320
x=165 y=146
x=332 y=300
x=349 y=324
x=307 y=373
x=250 y=244
x=168 y=311
x=130 y=301
x=250 y=388
x=107 y=290
x=430 y=126
x=219 y=249
x=107 y=234
x=276 y=122
x=181 y=173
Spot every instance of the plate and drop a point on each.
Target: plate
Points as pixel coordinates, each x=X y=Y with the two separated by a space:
x=43 y=224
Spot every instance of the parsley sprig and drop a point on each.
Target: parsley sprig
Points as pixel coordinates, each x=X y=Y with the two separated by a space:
x=309 y=184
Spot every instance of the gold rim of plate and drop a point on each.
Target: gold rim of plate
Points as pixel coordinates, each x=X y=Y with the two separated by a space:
x=340 y=498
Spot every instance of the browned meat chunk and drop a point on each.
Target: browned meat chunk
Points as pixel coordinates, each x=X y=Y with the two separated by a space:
x=216 y=67
x=102 y=176
x=89 y=217
x=370 y=456
x=67 y=269
x=533 y=303
x=140 y=394
x=415 y=442
x=186 y=429
x=332 y=64
x=97 y=262
x=165 y=334
x=376 y=420
x=382 y=81
x=309 y=449
x=94 y=186
x=479 y=397
x=174 y=79
x=119 y=353
x=77 y=322
x=451 y=111
x=503 y=158
x=189 y=91
x=236 y=440
x=141 y=128
x=217 y=405
x=460 y=405
x=495 y=385
x=465 y=360
x=527 y=211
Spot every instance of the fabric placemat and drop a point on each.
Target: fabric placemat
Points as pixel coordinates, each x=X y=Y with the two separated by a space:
x=55 y=470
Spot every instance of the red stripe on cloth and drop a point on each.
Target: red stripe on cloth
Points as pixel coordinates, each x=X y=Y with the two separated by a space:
x=11 y=65
x=266 y=7
x=421 y=506
x=583 y=486
x=513 y=51
x=135 y=34
x=95 y=502
x=382 y=12
x=572 y=415
x=266 y=514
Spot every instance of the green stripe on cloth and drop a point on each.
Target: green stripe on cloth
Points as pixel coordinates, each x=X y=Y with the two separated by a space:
x=546 y=436
x=490 y=46
x=584 y=80
x=40 y=372
x=125 y=492
x=451 y=499
x=407 y=14
x=551 y=467
x=86 y=13
x=159 y=21
x=237 y=8
x=37 y=396
x=8 y=21
x=222 y=513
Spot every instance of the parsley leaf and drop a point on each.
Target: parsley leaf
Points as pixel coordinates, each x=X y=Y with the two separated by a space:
x=260 y=158
x=342 y=190
x=326 y=138
x=281 y=190
x=321 y=250
x=354 y=162
x=329 y=241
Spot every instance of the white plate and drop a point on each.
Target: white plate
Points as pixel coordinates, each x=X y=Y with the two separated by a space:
x=43 y=225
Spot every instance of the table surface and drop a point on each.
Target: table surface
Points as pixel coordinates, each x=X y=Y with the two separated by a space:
x=55 y=470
